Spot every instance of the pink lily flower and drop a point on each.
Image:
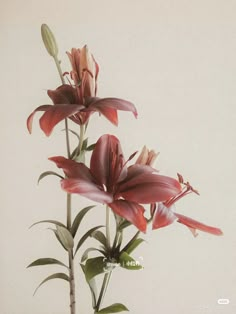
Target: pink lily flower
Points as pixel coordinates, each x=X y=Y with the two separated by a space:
x=78 y=102
x=84 y=70
x=110 y=181
x=164 y=213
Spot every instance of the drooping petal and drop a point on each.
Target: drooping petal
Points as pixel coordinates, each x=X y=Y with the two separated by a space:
x=131 y=211
x=106 y=107
x=55 y=114
x=87 y=189
x=194 y=224
x=64 y=94
x=73 y=169
x=163 y=217
x=107 y=160
x=143 y=185
x=31 y=116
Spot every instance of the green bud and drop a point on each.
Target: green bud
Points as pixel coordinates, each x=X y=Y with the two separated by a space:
x=49 y=40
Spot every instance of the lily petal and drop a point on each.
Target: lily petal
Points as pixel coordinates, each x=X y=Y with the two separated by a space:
x=163 y=217
x=131 y=211
x=64 y=94
x=73 y=169
x=87 y=189
x=108 y=106
x=29 y=122
x=107 y=162
x=194 y=224
x=55 y=114
x=143 y=186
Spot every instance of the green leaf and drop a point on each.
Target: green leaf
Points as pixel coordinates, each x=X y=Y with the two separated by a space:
x=127 y=262
x=91 y=147
x=65 y=237
x=94 y=266
x=54 y=276
x=46 y=261
x=85 y=236
x=99 y=235
x=132 y=245
x=55 y=222
x=91 y=249
x=78 y=219
x=124 y=224
x=92 y=287
x=85 y=144
x=114 y=308
x=49 y=173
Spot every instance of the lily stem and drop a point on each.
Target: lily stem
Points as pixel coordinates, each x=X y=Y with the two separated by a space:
x=105 y=283
x=108 y=227
x=68 y=210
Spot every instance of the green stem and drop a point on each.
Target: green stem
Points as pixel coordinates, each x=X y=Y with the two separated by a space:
x=105 y=283
x=81 y=137
x=68 y=207
x=108 y=227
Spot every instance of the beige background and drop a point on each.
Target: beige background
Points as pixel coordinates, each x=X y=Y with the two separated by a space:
x=175 y=59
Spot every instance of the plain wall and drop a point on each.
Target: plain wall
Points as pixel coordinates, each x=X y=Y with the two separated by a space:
x=176 y=61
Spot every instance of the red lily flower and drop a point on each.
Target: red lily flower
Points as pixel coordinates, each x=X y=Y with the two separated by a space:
x=110 y=181
x=165 y=213
x=78 y=102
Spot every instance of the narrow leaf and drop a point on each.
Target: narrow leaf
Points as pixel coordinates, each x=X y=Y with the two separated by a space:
x=94 y=266
x=54 y=276
x=124 y=224
x=49 y=173
x=99 y=235
x=132 y=245
x=127 y=262
x=78 y=219
x=65 y=237
x=85 y=236
x=90 y=147
x=46 y=261
x=114 y=308
x=85 y=144
x=92 y=287
x=91 y=249
x=55 y=222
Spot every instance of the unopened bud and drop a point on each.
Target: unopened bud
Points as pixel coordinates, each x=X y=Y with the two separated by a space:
x=49 y=40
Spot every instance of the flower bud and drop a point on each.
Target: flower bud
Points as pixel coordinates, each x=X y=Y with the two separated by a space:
x=49 y=40
x=147 y=157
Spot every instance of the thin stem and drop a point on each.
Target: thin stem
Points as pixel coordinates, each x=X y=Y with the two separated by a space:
x=81 y=137
x=105 y=283
x=108 y=227
x=57 y=62
x=68 y=209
